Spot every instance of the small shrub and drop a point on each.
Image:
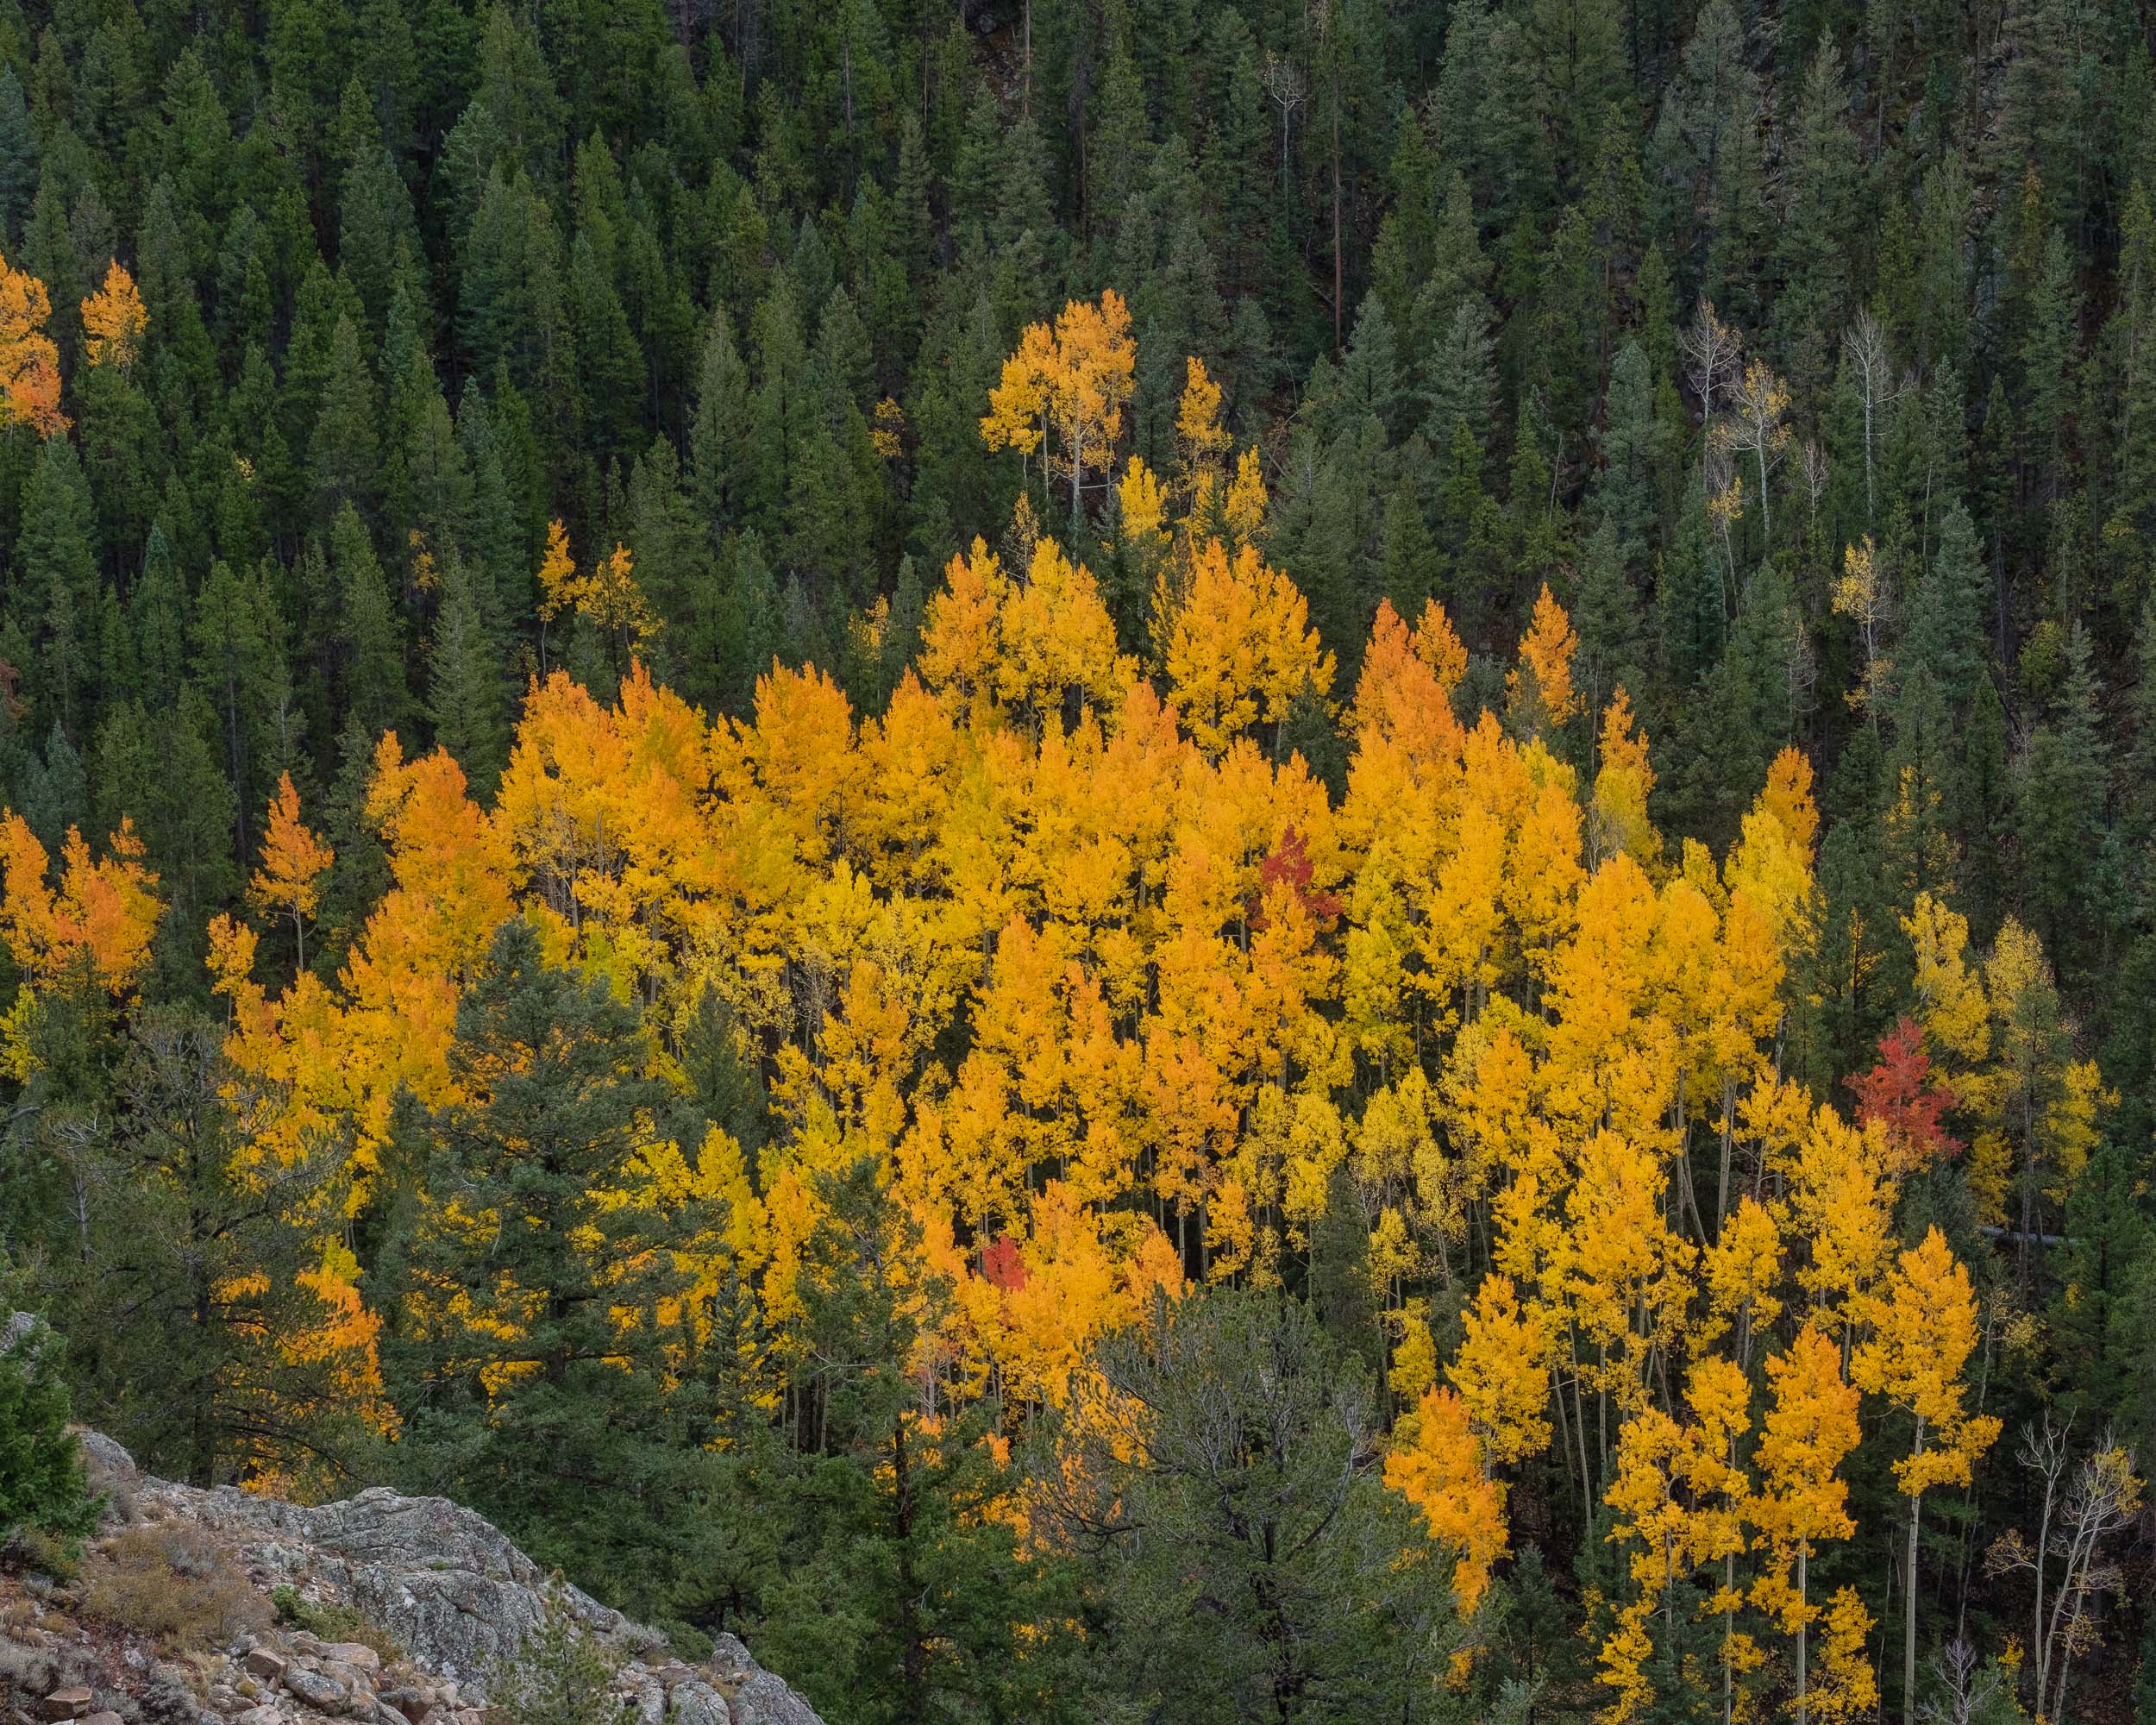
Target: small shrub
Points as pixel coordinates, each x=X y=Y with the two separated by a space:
x=170 y=1582
x=333 y=1622
x=38 y=1552
x=43 y=1489
x=689 y=1644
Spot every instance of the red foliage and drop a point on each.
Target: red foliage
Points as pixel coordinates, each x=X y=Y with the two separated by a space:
x=1903 y=1093
x=1289 y=866
x=1001 y=1265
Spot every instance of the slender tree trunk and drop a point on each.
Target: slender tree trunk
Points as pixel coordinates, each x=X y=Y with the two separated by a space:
x=1721 y=1189
x=1909 y=1631
x=1339 y=273
x=1803 y=1633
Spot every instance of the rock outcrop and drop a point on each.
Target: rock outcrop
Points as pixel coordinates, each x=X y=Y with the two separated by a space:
x=439 y=1588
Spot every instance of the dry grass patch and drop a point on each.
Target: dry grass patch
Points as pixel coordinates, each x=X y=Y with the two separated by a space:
x=173 y=1584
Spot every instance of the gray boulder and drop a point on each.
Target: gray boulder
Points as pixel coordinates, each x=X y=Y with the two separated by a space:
x=460 y=1597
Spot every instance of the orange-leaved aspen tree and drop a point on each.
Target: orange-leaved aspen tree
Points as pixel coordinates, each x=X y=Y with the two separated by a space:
x=114 y=321
x=1538 y=689
x=1437 y=1465
x=1810 y=1429
x=29 y=361
x=99 y=919
x=1924 y=1328
x=293 y=859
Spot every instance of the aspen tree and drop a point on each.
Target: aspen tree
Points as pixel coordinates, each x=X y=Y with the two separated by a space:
x=1809 y=1428
x=1924 y=1328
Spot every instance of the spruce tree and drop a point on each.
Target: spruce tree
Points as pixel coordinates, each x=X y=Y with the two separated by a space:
x=42 y=1486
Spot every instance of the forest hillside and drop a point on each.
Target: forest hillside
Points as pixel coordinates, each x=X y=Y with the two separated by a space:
x=1109 y=861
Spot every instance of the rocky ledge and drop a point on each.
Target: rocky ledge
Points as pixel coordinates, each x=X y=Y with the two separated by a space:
x=446 y=1601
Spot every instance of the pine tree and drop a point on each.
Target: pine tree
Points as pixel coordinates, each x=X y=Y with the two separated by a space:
x=1283 y=1534
x=18 y=159
x=345 y=451
x=539 y=1359
x=900 y=1593
x=215 y=1338
x=467 y=694
x=2061 y=787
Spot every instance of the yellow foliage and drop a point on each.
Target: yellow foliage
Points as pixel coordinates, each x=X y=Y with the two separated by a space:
x=1924 y=1329
x=1242 y=649
x=114 y=321
x=1622 y=785
x=1502 y=1375
x=293 y=859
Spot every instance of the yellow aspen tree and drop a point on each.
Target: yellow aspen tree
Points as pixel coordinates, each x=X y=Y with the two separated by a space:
x=1847 y=1691
x=1055 y=639
x=293 y=859
x=1502 y=1373
x=1623 y=782
x=1075 y=379
x=1018 y=405
x=1648 y=1511
x=608 y=597
x=1759 y=407
x=114 y=321
x=1143 y=538
x=1718 y=1395
x=1241 y=649
x=1924 y=1328
x=960 y=631
x=1200 y=440
x=1741 y=1271
x=1810 y=1429
x=1243 y=510
x=1950 y=994
x=1859 y=595
x=1679 y=1494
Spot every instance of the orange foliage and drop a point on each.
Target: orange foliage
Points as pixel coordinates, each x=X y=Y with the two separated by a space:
x=98 y=918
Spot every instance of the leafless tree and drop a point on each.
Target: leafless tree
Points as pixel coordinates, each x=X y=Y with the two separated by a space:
x=1878 y=387
x=1967 y=1686
x=1284 y=83
x=1712 y=352
x=2082 y=1507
